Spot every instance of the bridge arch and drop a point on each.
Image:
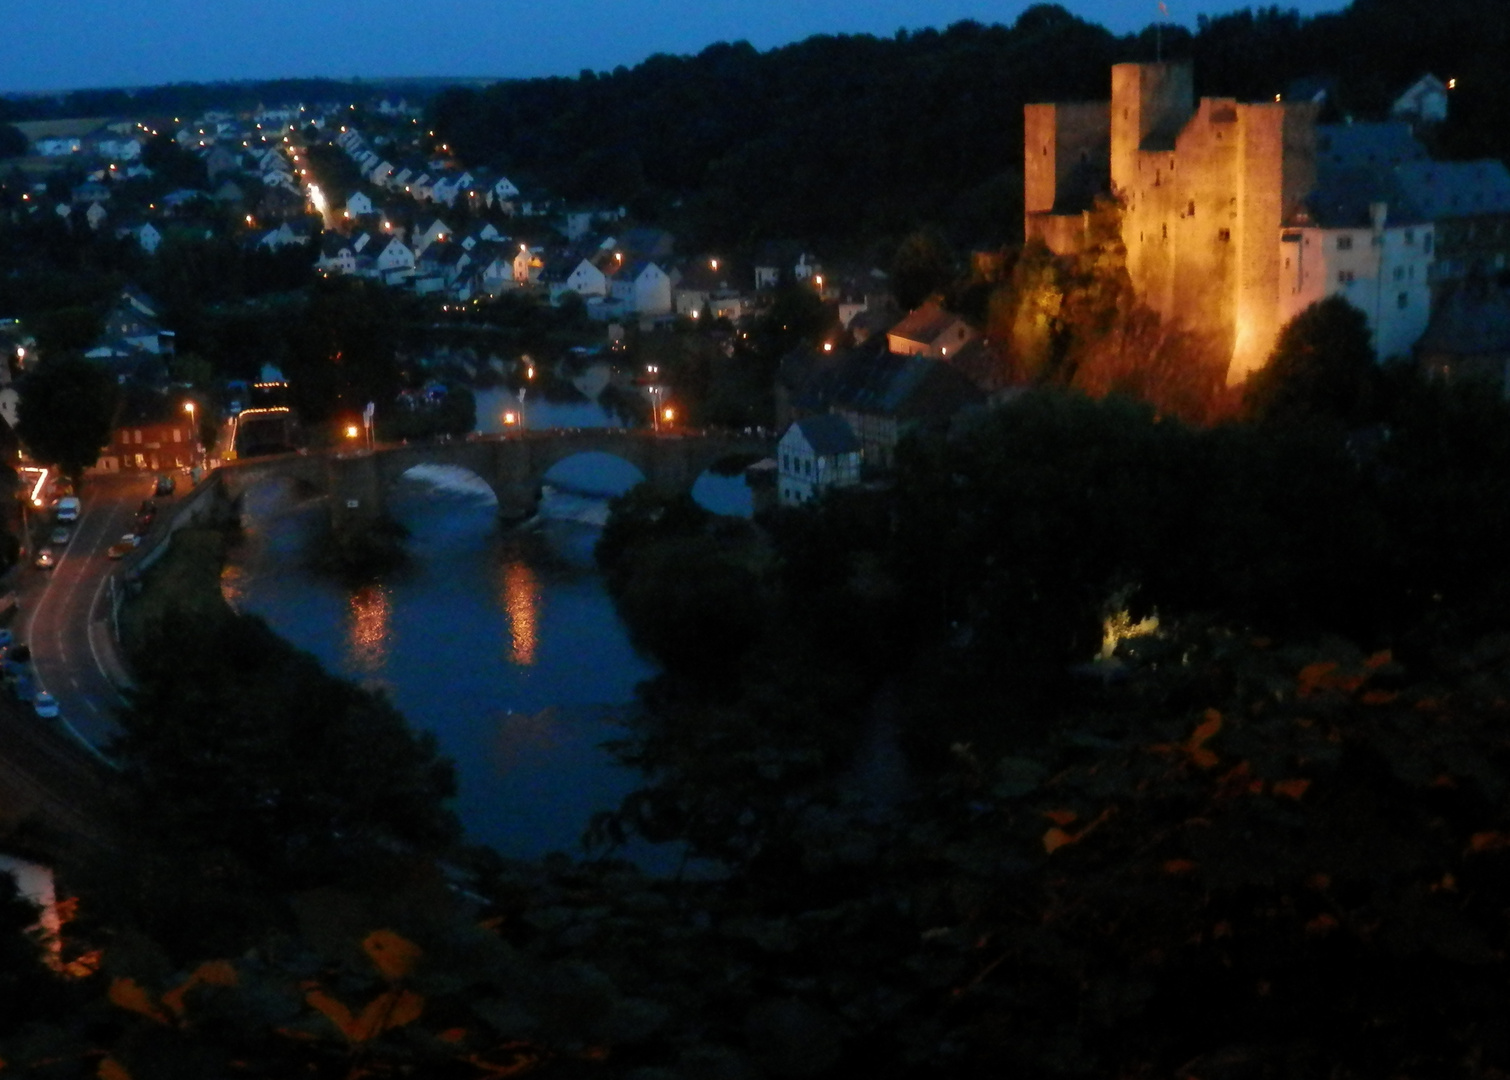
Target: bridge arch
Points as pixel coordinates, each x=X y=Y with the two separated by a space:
x=513 y=466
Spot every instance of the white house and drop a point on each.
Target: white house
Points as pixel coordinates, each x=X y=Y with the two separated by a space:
x=359 y=204
x=587 y=280
x=1381 y=267
x=396 y=260
x=528 y=265
x=146 y=236
x=815 y=455
x=930 y=331
x=1425 y=101
x=437 y=230
x=642 y=287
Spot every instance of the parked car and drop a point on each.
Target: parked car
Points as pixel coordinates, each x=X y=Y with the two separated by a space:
x=68 y=508
x=120 y=549
x=45 y=560
x=46 y=705
x=164 y=485
x=59 y=536
x=6 y=638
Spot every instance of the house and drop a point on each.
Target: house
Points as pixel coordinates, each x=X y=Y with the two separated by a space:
x=1423 y=103
x=337 y=254
x=395 y=262
x=481 y=234
x=640 y=286
x=930 y=331
x=437 y=230
x=358 y=205
x=96 y=215
x=586 y=279
x=145 y=234
x=161 y=444
x=282 y=237
x=881 y=395
x=1469 y=204
x=815 y=455
x=91 y=191
x=529 y=264
x=1358 y=239
x=1469 y=335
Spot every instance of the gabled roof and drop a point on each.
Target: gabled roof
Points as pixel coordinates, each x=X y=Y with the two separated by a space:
x=1449 y=189
x=1342 y=199
x=879 y=382
x=828 y=434
x=925 y=324
x=1366 y=145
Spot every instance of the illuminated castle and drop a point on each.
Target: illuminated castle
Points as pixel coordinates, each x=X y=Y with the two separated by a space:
x=1208 y=188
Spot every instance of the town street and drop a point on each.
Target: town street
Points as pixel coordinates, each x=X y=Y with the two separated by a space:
x=65 y=610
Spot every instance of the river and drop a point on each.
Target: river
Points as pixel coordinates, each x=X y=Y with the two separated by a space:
x=502 y=643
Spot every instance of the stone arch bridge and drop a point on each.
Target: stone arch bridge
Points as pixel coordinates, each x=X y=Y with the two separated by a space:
x=514 y=466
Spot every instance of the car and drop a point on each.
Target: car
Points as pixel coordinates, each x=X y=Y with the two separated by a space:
x=68 y=508
x=119 y=550
x=164 y=485
x=45 y=559
x=6 y=638
x=46 y=705
x=59 y=536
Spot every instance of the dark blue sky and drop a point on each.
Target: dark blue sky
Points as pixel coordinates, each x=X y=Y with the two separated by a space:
x=90 y=43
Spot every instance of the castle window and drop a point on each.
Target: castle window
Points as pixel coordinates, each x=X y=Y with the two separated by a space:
x=1189 y=207
x=1426 y=244
x=1165 y=230
x=1344 y=243
x=1399 y=273
x=1344 y=277
x=1225 y=236
x=1410 y=235
x=1402 y=300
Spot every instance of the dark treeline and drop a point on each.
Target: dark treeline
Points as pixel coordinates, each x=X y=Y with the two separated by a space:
x=192 y=99
x=851 y=140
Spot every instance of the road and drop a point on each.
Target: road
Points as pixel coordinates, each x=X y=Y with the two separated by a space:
x=50 y=769
x=64 y=610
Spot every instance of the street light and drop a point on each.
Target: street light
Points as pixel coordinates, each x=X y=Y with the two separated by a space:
x=193 y=433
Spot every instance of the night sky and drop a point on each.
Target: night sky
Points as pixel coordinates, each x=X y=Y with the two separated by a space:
x=97 y=43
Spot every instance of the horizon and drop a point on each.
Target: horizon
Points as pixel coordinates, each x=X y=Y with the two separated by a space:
x=129 y=49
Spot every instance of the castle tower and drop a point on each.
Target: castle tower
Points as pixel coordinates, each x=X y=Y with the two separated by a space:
x=1065 y=155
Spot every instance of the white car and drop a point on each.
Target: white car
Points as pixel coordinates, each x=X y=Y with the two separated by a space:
x=46 y=705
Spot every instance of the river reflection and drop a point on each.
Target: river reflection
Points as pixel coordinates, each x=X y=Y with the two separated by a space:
x=368 y=629
x=521 y=600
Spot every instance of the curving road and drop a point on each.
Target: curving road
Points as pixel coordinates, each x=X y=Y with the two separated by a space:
x=49 y=768
x=65 y=613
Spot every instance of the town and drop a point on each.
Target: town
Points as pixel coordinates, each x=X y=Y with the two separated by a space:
x=640 y=575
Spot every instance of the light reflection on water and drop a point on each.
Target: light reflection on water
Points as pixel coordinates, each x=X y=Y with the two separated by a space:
x=369 y=634
x=521 y=602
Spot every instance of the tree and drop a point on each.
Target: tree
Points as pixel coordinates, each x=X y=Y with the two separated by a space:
x=13 y=142
x=66 y=408
x=1322 y=367
x=922 y=266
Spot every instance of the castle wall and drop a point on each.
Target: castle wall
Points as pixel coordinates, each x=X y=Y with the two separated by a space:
x=1057 y=140
x=1206 y=188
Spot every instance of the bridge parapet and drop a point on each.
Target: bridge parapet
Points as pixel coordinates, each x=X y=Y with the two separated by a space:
x=513 y=465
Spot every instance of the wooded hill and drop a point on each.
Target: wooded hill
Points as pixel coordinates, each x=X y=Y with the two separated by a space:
x=855 y=140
